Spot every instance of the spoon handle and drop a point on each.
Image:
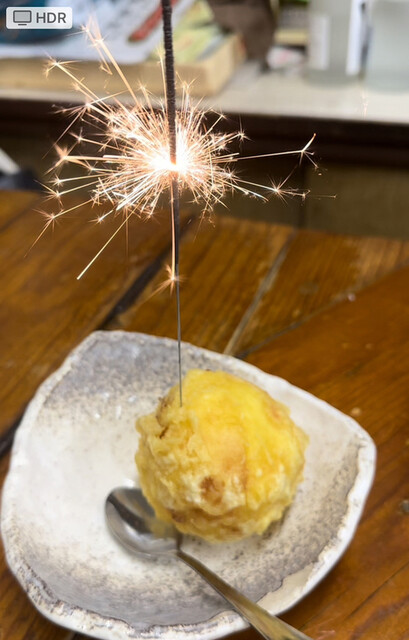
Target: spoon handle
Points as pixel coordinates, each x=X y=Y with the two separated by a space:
x=269 y=626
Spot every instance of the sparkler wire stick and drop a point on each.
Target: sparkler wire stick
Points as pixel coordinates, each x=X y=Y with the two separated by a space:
x=174 y=187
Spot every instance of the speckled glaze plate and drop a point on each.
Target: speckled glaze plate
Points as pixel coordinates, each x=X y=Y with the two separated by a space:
x=77 y=441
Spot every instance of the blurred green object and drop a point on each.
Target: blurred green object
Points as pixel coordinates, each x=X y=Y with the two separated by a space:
x=194 y=36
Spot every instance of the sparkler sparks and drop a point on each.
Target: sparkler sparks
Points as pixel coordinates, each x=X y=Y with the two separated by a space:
x=129 y=167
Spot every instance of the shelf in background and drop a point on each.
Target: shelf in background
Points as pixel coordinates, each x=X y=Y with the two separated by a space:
x=272 y=94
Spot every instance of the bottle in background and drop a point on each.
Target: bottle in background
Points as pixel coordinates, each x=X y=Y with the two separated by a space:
x=388 y=54
x=336 y=36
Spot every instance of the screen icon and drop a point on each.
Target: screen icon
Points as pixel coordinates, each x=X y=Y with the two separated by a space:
x=39 y=18
x=21 y=18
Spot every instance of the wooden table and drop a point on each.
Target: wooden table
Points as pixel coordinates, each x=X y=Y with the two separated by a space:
x=329 y=313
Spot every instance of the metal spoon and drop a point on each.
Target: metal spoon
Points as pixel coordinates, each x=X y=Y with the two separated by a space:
x=132 y=521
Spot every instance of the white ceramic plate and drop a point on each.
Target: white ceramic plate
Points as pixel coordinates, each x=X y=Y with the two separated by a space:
x=77 y=442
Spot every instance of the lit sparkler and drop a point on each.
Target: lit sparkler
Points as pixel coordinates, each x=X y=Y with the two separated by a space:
x=142 y=150
x=130 y=168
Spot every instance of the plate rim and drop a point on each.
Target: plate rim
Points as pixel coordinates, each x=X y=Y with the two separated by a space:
x=225 y=622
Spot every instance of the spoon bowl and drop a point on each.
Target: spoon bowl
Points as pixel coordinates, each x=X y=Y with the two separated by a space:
x=133 y=523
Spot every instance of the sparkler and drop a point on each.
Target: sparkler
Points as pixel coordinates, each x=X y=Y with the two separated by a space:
x=143 y=151
x=174 y=183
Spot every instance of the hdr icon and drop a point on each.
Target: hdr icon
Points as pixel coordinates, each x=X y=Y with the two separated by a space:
x=39 y=18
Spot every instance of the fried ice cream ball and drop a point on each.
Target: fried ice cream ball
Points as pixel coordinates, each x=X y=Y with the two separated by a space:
x=226 y=463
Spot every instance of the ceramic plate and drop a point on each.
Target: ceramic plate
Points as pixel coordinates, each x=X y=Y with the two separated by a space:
x=77 y=441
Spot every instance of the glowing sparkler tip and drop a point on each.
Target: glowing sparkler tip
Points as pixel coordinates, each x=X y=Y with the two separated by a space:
x=49 y=217
x=49 y=66
x=129 y=165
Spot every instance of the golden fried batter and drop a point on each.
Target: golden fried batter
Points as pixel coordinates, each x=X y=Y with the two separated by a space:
x=224 y=465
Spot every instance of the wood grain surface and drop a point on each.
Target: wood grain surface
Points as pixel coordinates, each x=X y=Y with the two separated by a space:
x=356 y=357
x=223 y=267
x=44 y=310
x=329 y=313
x=319 y=269
x=12 y=205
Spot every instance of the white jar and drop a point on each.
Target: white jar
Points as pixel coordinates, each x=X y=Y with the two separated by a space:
x=336 y=36
x=388 y=55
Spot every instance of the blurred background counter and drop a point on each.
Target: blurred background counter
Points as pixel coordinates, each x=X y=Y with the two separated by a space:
x=251 y=91
x=282 y=73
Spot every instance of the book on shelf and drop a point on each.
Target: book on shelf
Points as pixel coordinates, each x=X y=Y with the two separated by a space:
x=205 y=58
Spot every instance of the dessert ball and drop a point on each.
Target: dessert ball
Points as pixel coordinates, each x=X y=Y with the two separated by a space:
x=226 y=463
